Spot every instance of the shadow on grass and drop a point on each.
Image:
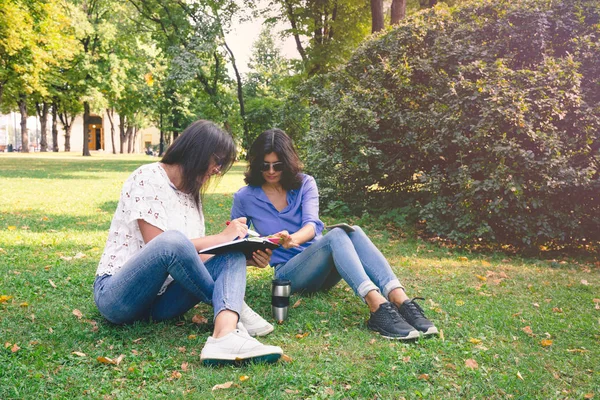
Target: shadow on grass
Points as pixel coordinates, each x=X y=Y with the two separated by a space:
x=64 y=169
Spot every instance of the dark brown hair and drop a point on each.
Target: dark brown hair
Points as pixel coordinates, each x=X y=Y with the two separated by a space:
x=193 y=151
x=278 y=142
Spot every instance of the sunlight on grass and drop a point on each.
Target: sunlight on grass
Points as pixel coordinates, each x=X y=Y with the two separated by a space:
x=512 y=327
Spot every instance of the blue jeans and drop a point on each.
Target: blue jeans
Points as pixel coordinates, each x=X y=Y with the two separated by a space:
x=351 y=256
x=131 y=294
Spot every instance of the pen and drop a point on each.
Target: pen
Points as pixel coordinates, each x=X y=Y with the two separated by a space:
x=250 y=231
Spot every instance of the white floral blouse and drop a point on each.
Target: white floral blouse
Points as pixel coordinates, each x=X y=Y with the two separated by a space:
x=148 y=194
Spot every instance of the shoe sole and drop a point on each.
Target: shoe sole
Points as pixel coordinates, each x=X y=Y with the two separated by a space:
x=263 y=332
x=431 y=331
x=264 y=359
x=411 y=335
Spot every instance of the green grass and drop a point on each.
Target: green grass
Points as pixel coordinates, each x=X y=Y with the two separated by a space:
x=54 y=207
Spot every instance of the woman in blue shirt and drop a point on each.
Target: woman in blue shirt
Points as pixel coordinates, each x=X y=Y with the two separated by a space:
x=280 y=200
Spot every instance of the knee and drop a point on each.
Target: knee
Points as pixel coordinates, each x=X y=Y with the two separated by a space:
x=336 y=236
x=177 y=242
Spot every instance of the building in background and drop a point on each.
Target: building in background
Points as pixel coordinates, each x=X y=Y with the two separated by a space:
x=99 y=140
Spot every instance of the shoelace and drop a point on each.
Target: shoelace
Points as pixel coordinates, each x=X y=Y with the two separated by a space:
x=416 y=307
x=396 y=316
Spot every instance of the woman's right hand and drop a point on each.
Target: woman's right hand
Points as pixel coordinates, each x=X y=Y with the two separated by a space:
x=235 y=229
x=286 y=240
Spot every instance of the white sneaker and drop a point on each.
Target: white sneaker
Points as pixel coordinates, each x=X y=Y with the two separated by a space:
x=237 y=347
x=254 y=323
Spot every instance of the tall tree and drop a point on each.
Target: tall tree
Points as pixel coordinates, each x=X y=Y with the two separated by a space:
x=397 y=11
x=377 y=18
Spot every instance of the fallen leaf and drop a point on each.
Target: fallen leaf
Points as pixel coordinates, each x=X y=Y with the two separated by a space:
x=520 y=376
x=7 y=345
x=66 y=258
x=175 y=375
x=290 y=391
x=372 y=341
x=4 y=298
x=302 y=335
x=11 y=227
x=546 y=342
x=24 y=304
x=244 y=378
x=138 y=340
x=329 y=391
x=442 y=335
x=182 y=349
x=584 y=282
x=460 y=303
x=184 y=366
x=588 y=396
x=470 y=363
x=80 y=354
x=536 y=305
x=527 y=330
x=481 y=278
x=225 y=385
x=423 y=377
x=463 y=259
x=119 y=359
x=577 y=350
x=77 y=313
x=557 y=310
x=135 y=352
x=286 y=358
x=15 y=348
x=199 y=319
x=475 y=341
x=105 y=360
x=79 y=255
x=406 y=359
x=52 y=283
x=297 y=303
x=192 y=337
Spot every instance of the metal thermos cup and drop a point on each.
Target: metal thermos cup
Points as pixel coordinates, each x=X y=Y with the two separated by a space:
x=280 y=298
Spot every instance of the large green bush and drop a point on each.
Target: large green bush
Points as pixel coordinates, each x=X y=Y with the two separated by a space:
x=485 y=119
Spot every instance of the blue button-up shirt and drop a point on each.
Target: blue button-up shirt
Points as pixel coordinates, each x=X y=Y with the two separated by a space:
x=302 y=209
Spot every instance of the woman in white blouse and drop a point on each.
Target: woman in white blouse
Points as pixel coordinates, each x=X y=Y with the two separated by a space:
x=150 y=268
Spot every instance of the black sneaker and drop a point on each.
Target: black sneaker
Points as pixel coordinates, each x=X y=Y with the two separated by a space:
x=390 y=324
x=413 y=314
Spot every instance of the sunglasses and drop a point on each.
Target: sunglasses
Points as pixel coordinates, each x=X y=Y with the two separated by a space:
x=277 y=166
x=219 y=160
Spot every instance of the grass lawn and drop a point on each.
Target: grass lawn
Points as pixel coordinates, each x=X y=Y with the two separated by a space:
x=512 y=327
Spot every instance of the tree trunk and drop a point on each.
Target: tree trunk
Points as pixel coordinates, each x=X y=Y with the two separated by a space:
x=86 y=130
x=24 y=133
x=110 y=112
x=67 y=129
x=122 y=135
x=43 y=115
x=377 y=22
x=240 y=95
x=161 y=142
x=135 y=132
x=129 y=135
x=398 y=11
x=292 y=18
x=54 y=129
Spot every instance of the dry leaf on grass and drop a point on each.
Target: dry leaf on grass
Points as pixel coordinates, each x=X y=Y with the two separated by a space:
x=184 y=366
x=423 y=377
x=470 y=363
x=475 y=341
x=52 y=283
x=225 y=385
x=106 y=360
x=297 y=303
x=286 y=358
x=175 y=375
x=546 y=342
x=77 y=313
x=520 y=376
x=290 y=391
x=80 y=354
x=302 y=335
x=4 y=298
x=15 y=348
x=244 y=378
x=527 y=330
x=24 y=304
x=584 y=282
x=199 y=319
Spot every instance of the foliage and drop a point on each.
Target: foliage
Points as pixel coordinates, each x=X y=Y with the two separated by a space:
x=485 y=118
x=497 y=314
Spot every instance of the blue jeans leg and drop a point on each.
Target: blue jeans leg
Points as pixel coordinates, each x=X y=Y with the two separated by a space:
x=352 y=257
x=131 y=294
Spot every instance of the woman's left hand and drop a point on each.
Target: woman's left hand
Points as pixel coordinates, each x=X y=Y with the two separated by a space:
x=261 y=259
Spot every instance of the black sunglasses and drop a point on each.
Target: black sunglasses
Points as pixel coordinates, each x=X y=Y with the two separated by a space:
x=277 y=166
x=219 y=160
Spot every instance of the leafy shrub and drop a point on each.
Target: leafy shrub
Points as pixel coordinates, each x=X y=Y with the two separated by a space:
x=484 y=118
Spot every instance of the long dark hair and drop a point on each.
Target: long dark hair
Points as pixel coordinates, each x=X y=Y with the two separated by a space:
x=278 y=142
x=193 y=151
